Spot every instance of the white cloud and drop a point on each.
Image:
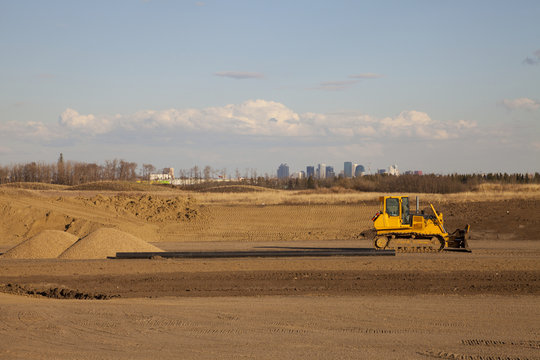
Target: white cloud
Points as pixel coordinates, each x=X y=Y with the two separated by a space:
x=415 y=124
x=259 y=122
x=34 y=130
x=264 y=119
x=465 y=125
x=91 y=124
x=534 y=60
x=520 y=104
x=366 y=76
x=239 y=75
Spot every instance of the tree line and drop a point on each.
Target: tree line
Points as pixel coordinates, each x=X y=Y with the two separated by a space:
x=67 y=172
x=430 y=183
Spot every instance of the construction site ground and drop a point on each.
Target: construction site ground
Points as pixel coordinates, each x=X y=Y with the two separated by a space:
x=450 y=305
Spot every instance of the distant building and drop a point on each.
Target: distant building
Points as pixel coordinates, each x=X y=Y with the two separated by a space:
x=393 y=170
x=381 y=171
x=299 y=175
x=167 y=175
x=330 y=174
x=283 y=171
x=321 y=171
x=310 y=171
x=161 y=177
x=348 y=171
x=411 y=172
x=169 y=171
x=359 y=170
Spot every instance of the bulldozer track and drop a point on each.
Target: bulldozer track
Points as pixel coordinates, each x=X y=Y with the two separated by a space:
x=397 y=242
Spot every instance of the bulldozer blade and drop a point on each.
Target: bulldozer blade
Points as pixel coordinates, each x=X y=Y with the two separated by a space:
x=458 y=240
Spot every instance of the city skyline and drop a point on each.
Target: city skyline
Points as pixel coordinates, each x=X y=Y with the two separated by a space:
x=443 y=87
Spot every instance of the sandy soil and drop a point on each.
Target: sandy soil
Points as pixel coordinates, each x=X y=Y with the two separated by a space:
x=482 y=305
x=305 y=327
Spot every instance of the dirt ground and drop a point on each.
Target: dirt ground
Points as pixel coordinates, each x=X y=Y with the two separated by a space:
x=272 y=327
x=479 y=305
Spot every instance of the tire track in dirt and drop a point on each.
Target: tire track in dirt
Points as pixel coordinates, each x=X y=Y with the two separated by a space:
x=533 y=344
x=435 y=354
x=375 y=331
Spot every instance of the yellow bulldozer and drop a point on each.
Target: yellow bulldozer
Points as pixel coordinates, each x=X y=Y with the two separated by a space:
x=396 y=227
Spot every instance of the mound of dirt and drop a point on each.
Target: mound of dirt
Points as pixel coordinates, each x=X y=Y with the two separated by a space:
x=45 y=245
x=55 y=293
x=105 y=242
x=146 y=207
x=118 y=186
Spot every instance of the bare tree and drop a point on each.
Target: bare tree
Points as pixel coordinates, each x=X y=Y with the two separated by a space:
x=68 y=173
x=207 y=172
x=147 y=169
x=30 y=172
x=195 y=172
x=4 y=174
x=126 y=170
x=183 y=173
x=110 y=171
x=60 y=170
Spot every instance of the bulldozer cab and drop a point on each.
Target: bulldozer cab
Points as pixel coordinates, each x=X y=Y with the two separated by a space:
x=395 y=211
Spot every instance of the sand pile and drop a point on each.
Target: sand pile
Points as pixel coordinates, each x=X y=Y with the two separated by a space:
x=45 y=245
x=106 y=242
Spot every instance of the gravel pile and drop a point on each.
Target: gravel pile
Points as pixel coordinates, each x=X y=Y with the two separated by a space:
x=106 y=242
x=45 y=245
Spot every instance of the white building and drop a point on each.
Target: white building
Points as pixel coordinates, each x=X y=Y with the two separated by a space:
x=299 y=175
x=160 y=177
x=393 y=170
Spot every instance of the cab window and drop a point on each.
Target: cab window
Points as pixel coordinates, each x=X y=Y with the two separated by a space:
x=392 y=207
x=405 y=212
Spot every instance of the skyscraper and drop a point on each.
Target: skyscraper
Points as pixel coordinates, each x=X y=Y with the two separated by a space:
x=321 y=171
x=310 y=171
x=283 y=171
x=348 y=169
x=359 y=170
x=330 y=174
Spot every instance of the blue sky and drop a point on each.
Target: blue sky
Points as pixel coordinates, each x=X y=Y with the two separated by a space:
x=441 y=86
